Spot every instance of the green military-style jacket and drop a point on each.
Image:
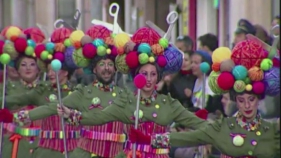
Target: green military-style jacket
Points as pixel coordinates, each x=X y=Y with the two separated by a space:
x=163 y=111
x=232 y=140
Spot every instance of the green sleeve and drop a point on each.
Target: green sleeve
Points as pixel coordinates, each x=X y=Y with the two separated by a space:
x=202 y=136
x=185 y=117
x=43 y=111
x=117 y=111
x=75 y=99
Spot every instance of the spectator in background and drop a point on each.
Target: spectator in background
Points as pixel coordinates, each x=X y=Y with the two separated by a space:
x=184 y=43
x=244 y=27
x=208 y=43
x=276 y=20
x=262 y=34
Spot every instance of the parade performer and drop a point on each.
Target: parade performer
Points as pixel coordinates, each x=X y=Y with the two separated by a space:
x=248 y=78
x=51 y=140
x=148 y=54
x=20 y=45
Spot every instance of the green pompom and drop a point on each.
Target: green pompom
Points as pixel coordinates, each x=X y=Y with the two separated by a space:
x=101 y=51
x=67 y=42
x=266 y=64
x=247 y=80
x=164 y=42
x=212 y=82
x=239 y=86
x=5 y=58
x=29 y=51
x=44 y=55
x=143 y=58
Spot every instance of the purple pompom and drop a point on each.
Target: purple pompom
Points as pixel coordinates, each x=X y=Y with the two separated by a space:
x=272 y=81
x=174 y=60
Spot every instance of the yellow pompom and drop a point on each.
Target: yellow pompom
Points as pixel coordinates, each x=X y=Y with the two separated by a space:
x=151 y=59
x=221 y=54
x=121 y=39
x=33 y=55
x=50 y=56
x=248 y=87
x=13 y=32
x=76 y=36
x=108 y=51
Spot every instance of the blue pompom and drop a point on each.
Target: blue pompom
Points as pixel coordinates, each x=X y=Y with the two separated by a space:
x=240 y=72
x=144 y=48
x=205 y=67
x=50 y=47
x=31 y=43
x=56 y=65
x=98 y=42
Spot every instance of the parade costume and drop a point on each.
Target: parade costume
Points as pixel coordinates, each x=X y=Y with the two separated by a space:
x=51 y=140
x=105 y=140
x=156 y=112
x=249 y=69
x=20 y=44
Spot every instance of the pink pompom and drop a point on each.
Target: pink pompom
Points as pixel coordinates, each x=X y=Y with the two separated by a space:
x=39 y=49
x=2 y=43
x=89 y=50
x=59 y=56
x=114 y=51
x=162 y=62
x=132 y=60
x=258 y=87
x=20 y=45
x=140 y=81
x=276 y=62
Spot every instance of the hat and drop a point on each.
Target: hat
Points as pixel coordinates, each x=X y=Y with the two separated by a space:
x=248 y=69
x=35 y=34
x=244 y=26
x=146 y=46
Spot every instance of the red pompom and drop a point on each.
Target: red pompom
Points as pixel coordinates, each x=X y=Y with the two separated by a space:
x=216 y=67
x=20 y=45
x=98 y=31
x=140 y=81
x=146 y=35
x=60 y=34
x=6 y=116
x=202 y=113
x=225 y=81
x=2 y=43
x=35 y=34
x=132 y=60
x=39 y=49
x=258 y=87
x=248 y=53
x=161 y=61
x=59 y=56
x=89 y=50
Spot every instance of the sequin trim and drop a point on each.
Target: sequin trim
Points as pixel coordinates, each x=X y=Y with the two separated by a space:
x=59 y=134
x=21 y=117
x=103 y=136
x=102 y=87
x=27 y=132
x=249 y=126
x=75 y=117
x=160 y=140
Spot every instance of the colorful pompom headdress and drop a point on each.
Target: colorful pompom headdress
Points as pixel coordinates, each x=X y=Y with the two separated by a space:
x=247 y=68
x=146 y=46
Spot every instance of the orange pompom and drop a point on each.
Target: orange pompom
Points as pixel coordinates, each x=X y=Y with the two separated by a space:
x=255 y=74
x=59 y=47
x=120 y=50
x=77 y=44
x=216 y=67
x=109 y=41
x=157 y=49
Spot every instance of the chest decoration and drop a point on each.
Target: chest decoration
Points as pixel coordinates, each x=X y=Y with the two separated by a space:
x=238 y=139
x=249 y=126
x=135 y=115
x=96 y=103
x=148 y=101
x=52 y=97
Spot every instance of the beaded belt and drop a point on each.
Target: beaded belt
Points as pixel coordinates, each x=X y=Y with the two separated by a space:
x=103 y=136
x=225 y=156
x=26 y=132
x=147 y=149
x=59 y=134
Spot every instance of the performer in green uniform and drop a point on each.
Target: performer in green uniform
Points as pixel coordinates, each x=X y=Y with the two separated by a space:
x=51 y=141
x=143 y=55
x=246 y=135
x=20 y=45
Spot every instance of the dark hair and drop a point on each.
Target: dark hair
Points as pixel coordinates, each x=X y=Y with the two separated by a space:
x=209 y=40
x=188 y=42
x=189 y=53
x=205 y=58
x=233 y=94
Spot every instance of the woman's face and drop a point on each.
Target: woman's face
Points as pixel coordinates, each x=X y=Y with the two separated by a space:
x=247 y=105
x=186 y=63
x=150 y=73
x=62 y=75
x=28 y=69
x=195 y=64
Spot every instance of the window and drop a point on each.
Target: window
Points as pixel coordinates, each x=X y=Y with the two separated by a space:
x=66 y=10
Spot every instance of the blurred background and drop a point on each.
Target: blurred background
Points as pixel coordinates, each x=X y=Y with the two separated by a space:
x=197 y=17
